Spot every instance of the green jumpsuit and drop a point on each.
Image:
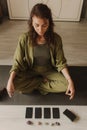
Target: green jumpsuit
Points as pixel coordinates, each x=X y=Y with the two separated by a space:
x=44 y=78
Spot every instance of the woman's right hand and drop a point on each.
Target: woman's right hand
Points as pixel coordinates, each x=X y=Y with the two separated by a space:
x=10 y=84
x=10 y=88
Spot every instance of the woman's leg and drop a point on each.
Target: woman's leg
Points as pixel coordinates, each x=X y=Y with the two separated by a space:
x=27 y=82
x=54 y=82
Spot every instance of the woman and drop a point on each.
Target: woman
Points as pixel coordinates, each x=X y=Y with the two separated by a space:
x=39 y=61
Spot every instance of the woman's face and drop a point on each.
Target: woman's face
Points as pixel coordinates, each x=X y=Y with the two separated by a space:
x=40 y=25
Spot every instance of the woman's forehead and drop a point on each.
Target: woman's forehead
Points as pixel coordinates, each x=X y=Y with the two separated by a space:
x=38 y=19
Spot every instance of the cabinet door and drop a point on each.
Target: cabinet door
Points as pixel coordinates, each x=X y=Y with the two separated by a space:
x=18 y=9
x=71 y=10
x=65 y=10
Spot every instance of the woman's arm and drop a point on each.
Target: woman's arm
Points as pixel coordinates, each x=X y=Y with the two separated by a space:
x=61 y=65
x=10 y=85
x=18 y=63
x=71 y=89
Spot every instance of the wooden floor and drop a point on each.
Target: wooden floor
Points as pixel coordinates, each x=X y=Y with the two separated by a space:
x=13 y=117
x=74 y=37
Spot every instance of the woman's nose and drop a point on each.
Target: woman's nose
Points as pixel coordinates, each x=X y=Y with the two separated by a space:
x=40 y=29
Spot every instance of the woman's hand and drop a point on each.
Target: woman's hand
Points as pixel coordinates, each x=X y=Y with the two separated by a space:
x=10 y=84
x=71 y=89
x=10 y=88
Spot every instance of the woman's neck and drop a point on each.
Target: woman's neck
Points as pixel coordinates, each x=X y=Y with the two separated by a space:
x=41 y=40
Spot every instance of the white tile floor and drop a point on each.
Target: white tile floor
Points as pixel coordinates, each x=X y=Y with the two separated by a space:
x=13 y=118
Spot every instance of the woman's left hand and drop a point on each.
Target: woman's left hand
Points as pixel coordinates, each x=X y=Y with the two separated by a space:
x=71 y=89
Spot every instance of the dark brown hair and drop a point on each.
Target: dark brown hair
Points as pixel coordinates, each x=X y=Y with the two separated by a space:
x=42 y=11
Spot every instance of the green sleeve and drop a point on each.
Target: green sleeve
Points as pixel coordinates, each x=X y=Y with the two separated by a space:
x=60 y=60
x=19 y=56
